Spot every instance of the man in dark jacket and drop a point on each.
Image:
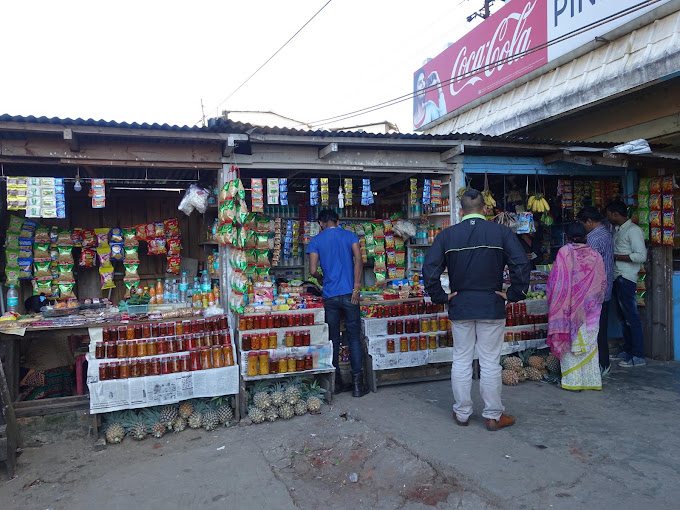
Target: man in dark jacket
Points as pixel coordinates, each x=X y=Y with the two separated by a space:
x=475 y=252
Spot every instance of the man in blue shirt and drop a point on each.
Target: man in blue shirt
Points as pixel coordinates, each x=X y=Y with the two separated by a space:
x=601 y=240
x=338 y=252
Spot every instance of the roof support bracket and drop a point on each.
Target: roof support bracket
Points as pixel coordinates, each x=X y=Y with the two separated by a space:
x=72 y=139
x=328 y=150
x=447 y=156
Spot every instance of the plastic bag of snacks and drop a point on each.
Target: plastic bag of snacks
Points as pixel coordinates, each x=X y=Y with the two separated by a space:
x=174 y=264
x=194 y=198
x=87 y=258
x=106 y=276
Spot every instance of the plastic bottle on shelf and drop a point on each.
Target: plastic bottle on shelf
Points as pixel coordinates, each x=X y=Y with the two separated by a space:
x=166 y=291
x=160 y=297
x=175 y=291
x=205 y=282
x=196 y=293
x=183 y=287
x=12 y=300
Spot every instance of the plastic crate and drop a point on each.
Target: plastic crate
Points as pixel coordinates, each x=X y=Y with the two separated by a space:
x=137 y=309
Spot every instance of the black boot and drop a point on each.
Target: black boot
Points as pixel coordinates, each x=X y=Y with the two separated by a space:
x=358 y=387
x=341 y=387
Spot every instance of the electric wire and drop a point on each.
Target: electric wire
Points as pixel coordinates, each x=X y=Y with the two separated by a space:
x=411 y=95
x=273 y=55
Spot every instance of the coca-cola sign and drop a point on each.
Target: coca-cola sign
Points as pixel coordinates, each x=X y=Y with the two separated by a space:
x=493 y=54
x=519 y=38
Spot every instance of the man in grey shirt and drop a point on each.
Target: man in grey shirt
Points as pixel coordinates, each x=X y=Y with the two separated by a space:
x=629 y=252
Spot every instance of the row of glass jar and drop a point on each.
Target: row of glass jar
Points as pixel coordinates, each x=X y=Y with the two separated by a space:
x=261 y=363
x=300 y=338
x=420 y=308
x=275 y=320
x=154 y=346
x=197 y=359
x=518 y=336
x=420 y=342
x=421 y=325
x=162 y=329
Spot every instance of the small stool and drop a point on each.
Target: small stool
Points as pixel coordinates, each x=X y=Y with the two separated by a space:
x=80 y=361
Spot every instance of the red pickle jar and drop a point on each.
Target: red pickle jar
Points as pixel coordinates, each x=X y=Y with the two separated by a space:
x=155 y=330
x=217 y=357
x=422 y=342
x=206 y=358
x=408 y=327
x=114 y=370
x=245 y=342
x=121 y=349
x=135 y=368
x=124 y=369
x=163 y=329
x=121 y=334
x=142 y=348
x=416 y=326
x=103 y=371
x=106 y=334
x=161 y=347
x=228 y=355
x=170 y=345
x=390 y=345
x=184 y=363
x=179 y=328
x=174 y=364
x=399 y=327
x=421 y=308
x=413 y=343
x=403 y=344
x=195 y=359
x=186 y=326
x=277 y=321
x=216 y=338
x=299 y=363
x=138 y=331
x=309 y=363
x=146 y=330
x=171 y=328
x=270 y=322
x=297 y=339
x=155 y=366
x=200 y=324
x=144 y=367
x=99 y=350
x=298 y=319
x=255 y=342
x=428 y=307
x=223 y=322
x=165 y=365
x=273 y=365
x=391 y=329
x=306 y=338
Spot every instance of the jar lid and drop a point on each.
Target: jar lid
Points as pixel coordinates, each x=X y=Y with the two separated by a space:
x=252 y=354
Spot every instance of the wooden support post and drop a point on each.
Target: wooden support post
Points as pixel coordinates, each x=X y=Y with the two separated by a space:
x=659 y=301
x=9 y=431
x=12 y=352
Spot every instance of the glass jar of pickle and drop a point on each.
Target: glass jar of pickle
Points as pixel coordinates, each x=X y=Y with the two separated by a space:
x=252 y=363
x=249 y=325
x=144 y=367
x=424 y=325
x=146 y=330
x=399 y=327
x=434 y=323
x=291 y=363
x=138 y=331
x=206 y=358
x=449 y=338
x=124 y=369
x=228 y=355
x=99 y=350
x=283 y=365
x=273 y=365
x=255 y=342
x=263 y=359
x=130 y=333
x=155 y=330
x=443 y=322
x=297 y=338
x=155 y=366
x=299 y=363
x=217 y=357
x=390 y=345
x=135 y=368
x=151 y=349
x=194 y=359
x=413 y=343
x=391 y=327
x=403 y=344
x=142 y=348
x=416 y=326
x=179 y=328
x=165 y=365
x=161 y=347
x=290 y=339
x=121 y=349
x=114 y=370
x=184 y=363
x=432 y=341
x=245 y=342
x=242 y=323
x=103 y=371
x=306 y=338
x=309 y=364
x=273 y=339
x=111 y=349
x=422 y=342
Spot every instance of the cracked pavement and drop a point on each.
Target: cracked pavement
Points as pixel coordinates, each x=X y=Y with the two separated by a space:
x=609 y=449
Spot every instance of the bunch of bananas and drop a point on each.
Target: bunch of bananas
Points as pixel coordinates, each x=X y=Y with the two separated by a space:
x=489 y=200
x=461 y=191
x=538 y=204
x=547 y=219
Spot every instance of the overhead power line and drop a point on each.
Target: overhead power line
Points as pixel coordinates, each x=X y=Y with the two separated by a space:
x=273 y=55
x=409 y=96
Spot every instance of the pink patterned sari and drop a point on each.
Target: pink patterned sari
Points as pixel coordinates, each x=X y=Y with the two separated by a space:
x=576 y=288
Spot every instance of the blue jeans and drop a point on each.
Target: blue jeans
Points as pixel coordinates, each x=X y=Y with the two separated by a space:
x=626 y=299
x=335 y=306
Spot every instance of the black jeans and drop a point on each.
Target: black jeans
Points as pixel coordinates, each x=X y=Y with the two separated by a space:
x=335 y=307
x=631 y=323
x=602 y=337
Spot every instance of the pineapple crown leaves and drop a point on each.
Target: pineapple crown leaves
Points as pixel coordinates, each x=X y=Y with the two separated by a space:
x=295 y=381
x=526 y=354
x=149 y=416
x=204 y=405
x=223 y=400
x=114 y=417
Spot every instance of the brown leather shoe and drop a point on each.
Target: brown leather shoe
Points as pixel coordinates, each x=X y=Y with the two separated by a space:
x=504 y=421
x=461 y=423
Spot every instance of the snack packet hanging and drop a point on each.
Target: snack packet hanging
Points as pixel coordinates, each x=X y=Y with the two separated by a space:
x=131 y=251
x=174 y=264
x=131 y=268
x=257 y=194
x=15 y=223
x=117 y=252
x=89 y=239
x=116 y=235
x=106 y=277
x=157 y=246
x=102 y=236
x=172 y=227
x=66 y=289
x=104 y=253
x=668 y=237
x=174 y=246
x=87 y=258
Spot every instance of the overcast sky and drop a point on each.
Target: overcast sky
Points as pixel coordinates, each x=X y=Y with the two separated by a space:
x=148 y=61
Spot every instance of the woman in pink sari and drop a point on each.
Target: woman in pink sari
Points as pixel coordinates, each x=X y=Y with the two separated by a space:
x=576 y=288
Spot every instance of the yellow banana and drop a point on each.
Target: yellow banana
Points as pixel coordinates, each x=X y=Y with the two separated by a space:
x=530 y=203
x=546 y=206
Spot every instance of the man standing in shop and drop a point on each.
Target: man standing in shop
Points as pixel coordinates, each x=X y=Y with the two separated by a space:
x=629 y=252
x=338 y=252
x=475 y=252
x=601 y=240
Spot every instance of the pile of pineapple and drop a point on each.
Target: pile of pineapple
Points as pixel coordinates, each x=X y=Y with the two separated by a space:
x=156 y=421
x=529 y=365
x=271 y=402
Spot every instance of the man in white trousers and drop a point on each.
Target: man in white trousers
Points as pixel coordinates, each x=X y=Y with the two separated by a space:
x=475 y=252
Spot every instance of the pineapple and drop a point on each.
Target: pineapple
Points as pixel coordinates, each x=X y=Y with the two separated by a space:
x=301 y=408
x=114 y=430
x=287 y=411
x=533 y=374
x=179 y=424
x=261 y=397
x=272 y=414
x=168 y=415
x=314 y=395
x=186 y=408
x=552 y=364
x=195 y=420
x=138 y=429
x=225 y=413
x=510 y=377
x=210 y=421
x=521 y=375
x=153 y=422
x=278 y=396
x=512 y=363
x=292 y=393
x=256 y=415
x=536 y=362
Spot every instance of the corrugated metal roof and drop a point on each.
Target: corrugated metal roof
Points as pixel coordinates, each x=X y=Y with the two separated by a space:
x=228 y=126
